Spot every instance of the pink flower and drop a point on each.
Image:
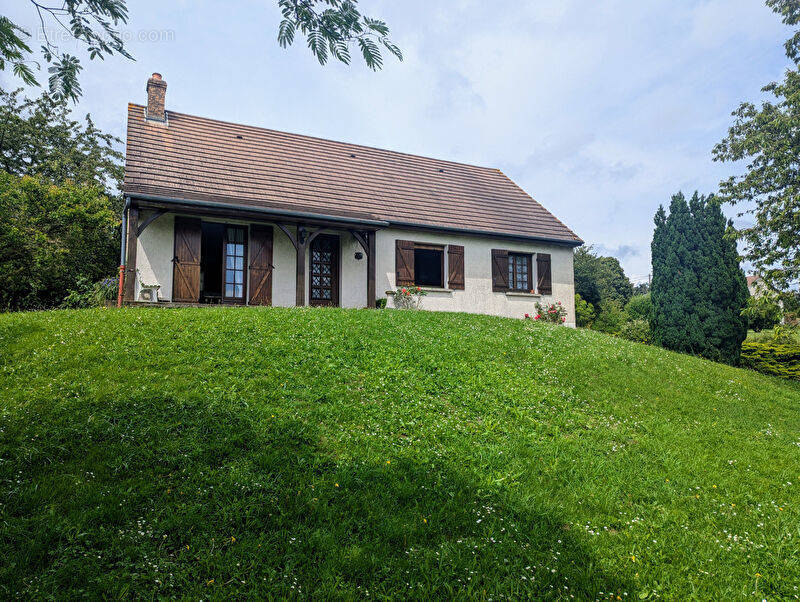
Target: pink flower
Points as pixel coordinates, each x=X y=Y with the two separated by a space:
x=527 y=316
x=537 y=317
x=563 y=319
x=405 y=292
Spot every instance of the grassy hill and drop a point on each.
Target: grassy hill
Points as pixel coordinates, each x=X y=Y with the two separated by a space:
x=270 y=452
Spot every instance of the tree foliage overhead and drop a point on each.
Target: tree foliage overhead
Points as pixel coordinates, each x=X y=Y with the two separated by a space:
x=766 y=137
x=39 y=138
x=93 y=23
x=698 y=289
x=331 y=27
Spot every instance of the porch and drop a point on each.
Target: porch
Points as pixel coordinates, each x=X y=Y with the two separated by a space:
x=200 y=253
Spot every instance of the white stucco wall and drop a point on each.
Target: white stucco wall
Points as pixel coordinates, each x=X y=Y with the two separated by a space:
x=155 y=250
x=477 y=296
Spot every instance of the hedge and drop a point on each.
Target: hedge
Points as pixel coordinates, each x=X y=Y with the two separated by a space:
x=772 y=358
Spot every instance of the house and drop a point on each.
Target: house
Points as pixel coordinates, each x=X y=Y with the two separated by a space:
x=217 y=212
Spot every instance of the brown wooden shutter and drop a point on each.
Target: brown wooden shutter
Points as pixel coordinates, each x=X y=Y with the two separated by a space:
x=186 y=273
x=260 y=266
x=499 y=270
x=404 y=262
x=455 y=267
x=544 y=285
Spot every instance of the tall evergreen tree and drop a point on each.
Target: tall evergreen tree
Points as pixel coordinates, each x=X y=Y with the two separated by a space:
x=676 y=323
x=698 y=288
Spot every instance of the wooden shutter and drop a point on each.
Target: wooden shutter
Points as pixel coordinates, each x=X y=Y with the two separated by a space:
x=499 y=270
x=455 y=267
x=544 y=285
x=186 y=273
x=404 y=262
x=260 y=267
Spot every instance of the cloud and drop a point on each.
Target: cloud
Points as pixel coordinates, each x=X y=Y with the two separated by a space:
x=600 y=110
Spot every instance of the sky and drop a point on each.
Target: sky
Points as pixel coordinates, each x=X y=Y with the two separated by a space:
x=600 y=109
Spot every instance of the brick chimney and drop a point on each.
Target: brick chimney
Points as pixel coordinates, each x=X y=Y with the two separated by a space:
x=156 y=93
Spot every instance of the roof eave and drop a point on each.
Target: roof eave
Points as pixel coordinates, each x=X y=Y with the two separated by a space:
x=283 y=213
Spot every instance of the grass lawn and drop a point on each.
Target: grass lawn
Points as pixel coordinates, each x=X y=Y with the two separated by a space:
x=216 y=453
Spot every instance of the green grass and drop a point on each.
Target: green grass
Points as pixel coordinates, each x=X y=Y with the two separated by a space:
x=217 y=453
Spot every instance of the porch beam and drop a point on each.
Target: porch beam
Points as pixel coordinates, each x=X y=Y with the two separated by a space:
x=130 y=262
x=300 y=293
x=292 y=238
x=158 y=213
x=359 y=236
x=371 y=269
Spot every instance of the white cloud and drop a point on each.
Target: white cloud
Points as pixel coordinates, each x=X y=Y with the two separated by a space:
x=600 y=109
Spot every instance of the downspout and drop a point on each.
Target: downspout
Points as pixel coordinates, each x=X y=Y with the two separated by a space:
x=123 y=251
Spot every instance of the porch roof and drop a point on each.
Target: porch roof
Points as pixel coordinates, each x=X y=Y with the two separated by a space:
x=198 y=159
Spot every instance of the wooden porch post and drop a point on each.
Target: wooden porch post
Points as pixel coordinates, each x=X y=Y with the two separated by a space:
x=371 y=270
x=130 y=262
x=300 y=295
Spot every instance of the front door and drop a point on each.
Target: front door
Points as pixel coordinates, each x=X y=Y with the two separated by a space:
x=324 y=281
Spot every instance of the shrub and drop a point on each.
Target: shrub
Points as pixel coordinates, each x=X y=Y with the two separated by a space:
x=50 y=238
x=584 y=312
x=639 y=307
x=408 y=297
x=772 y=358
x=609 y=319
x=86 y=294
x=552 y=312
x=637 y=331
x=762 y=313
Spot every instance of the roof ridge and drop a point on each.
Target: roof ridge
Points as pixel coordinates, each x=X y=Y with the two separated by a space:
x=309 y=137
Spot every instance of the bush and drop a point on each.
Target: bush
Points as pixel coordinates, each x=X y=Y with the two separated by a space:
x=408 y=297
x=772 y=358
x=552 y=312
x=51 y=239
x=762 y=313
x=86 y=294
x=584 y=312
x=637 y=331
x=609 y=319
x=640 y=307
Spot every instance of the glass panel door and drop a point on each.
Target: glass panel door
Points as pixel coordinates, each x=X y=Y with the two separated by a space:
x=324 y=264
x=234 y=251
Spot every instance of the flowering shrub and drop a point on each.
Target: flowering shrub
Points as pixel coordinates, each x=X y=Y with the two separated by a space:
x=408 y=297
x=552 y=312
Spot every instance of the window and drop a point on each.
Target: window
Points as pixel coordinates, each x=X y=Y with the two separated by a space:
x=428 y=265
x=234 y=262
x=520 y=272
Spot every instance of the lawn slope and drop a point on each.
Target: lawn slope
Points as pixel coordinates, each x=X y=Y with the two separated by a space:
x=211 y=453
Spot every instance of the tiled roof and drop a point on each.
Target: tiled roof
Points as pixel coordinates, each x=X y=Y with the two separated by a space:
x=207 y=160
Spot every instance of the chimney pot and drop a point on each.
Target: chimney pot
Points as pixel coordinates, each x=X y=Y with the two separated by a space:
x=156 y=98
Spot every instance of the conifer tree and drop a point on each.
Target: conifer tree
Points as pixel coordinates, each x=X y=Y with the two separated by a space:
x=698 y=288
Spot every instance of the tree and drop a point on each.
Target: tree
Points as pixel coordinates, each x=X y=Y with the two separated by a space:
x=39 y=138
x=640 y=307
x=331 y=31
x=584 y=266
x=698 y=289
x=762 y=313
x=51 y=238
x=766 y=137
x=674 y=291
x=584 y=312
x=94 y=24
x=599 y=279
